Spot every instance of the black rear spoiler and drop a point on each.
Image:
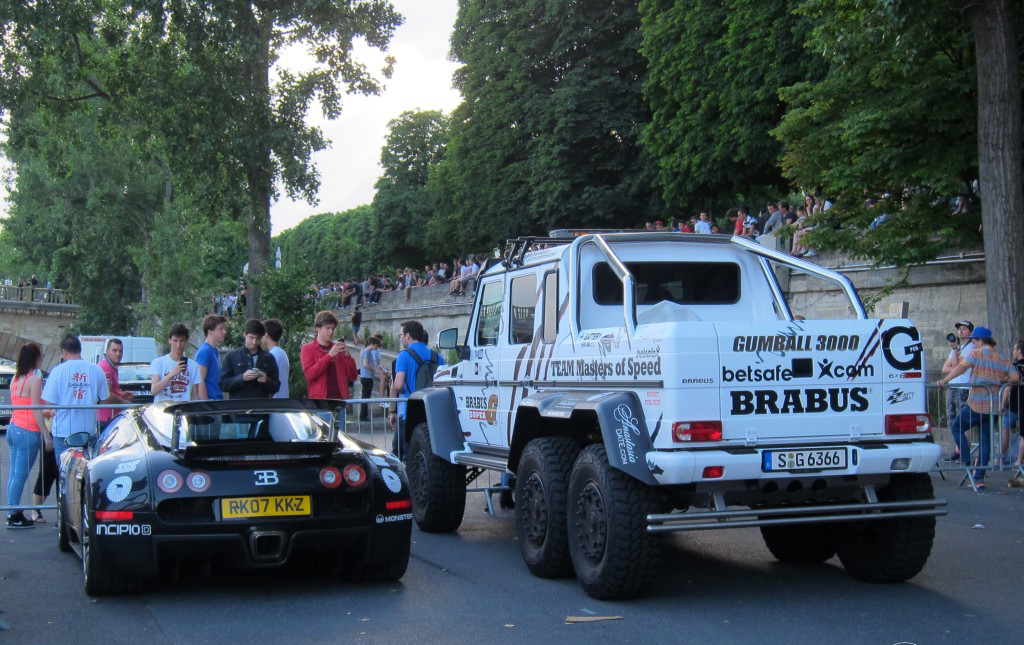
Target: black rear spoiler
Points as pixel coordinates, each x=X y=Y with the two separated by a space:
x=335 y=407
x=259 y=451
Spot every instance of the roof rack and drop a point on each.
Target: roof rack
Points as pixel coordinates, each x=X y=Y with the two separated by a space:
x=516 y=249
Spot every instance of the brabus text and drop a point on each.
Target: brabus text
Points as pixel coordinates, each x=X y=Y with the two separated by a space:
x=833 y=399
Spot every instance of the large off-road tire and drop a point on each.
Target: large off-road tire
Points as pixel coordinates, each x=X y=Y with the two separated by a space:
x=542 y=493
x=388 y=571
x=438 y=487
x=63 y=533
x=890 y=550
x=99 y=579
x=613 y=554
x=800 y=543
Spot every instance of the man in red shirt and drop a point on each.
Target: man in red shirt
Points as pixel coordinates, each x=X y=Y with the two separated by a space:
x=115 y=350
x=329 y=369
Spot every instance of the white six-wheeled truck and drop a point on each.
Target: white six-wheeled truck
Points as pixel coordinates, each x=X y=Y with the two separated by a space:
x=638 y=384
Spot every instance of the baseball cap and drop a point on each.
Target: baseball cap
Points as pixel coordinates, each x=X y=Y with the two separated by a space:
x=965 y=323
x=981 y=332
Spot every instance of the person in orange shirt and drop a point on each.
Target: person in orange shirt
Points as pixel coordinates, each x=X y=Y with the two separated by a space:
x=24 y=431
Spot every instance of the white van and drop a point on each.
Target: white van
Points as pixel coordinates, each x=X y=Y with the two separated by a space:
x=137 y=349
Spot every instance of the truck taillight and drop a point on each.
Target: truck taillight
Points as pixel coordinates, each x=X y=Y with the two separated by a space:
x=697 y=431
x=907 y=424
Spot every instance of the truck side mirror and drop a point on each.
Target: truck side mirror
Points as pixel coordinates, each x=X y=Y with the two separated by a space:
x=448 y=339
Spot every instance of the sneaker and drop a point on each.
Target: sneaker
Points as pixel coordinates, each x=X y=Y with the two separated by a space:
x=810 y=254
x=19 y=521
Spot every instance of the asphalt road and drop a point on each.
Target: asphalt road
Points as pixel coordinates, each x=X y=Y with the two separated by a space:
x=472 y=587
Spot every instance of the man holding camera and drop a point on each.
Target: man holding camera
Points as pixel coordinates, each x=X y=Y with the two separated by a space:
x=329 y=369
x=959 y=347
x=249 y=372
x=173 y=376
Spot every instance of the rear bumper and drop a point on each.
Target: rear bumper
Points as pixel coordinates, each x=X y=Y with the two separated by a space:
x=249 y=546
x=687 y=466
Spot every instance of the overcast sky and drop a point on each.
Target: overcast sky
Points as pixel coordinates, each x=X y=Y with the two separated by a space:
x=421 y=80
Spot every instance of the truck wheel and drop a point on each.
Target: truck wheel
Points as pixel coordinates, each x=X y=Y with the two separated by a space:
x=542 y=492
x=99 y=579
x=438 y=487
x=800 y=543
x=613 y=554
x=890 y=550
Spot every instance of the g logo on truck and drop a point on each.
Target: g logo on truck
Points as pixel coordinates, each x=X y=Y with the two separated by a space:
x=811 y=400
x=912 y=351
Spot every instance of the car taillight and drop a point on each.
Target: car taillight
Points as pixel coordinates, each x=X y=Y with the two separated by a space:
x=907 y=424
x=697 y=431
x=398 y=505
x=330 y=477
x=354 y=475
x=713 y=472
x=114 y=516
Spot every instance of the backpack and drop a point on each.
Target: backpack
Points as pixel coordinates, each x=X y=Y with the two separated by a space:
x=424 y=370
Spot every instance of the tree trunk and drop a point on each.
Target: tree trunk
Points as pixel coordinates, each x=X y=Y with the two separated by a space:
x=259 y=163
x=999 y=165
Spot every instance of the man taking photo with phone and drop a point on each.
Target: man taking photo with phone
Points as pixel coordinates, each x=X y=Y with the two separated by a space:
x=249 y=372
x=329 y=369
x=173 y=376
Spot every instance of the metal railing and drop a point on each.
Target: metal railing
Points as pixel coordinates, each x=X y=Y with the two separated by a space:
x=988 y=449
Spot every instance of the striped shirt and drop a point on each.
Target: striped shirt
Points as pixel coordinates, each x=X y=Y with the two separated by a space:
x=990 y=369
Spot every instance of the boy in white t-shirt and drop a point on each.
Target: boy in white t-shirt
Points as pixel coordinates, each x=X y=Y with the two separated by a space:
x=174 y=377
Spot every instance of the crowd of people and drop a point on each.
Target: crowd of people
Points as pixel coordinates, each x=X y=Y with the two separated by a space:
x=460 y=275
x=775 y=219
x=258 y=369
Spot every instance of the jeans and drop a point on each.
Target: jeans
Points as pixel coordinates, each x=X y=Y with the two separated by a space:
x=956 y=398
x=399 y=446
x=367 y=386
x=961 y=425
x=24 y=445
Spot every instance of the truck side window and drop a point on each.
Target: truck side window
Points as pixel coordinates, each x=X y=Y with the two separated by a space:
x=550 y=329
x=524 y=309
x=489 y=319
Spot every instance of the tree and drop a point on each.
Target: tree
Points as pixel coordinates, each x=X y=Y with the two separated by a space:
x=715 y=70
x=332 y=246
x=921 y=99
x=547 y=134
x=196 y=77
x=402 y=207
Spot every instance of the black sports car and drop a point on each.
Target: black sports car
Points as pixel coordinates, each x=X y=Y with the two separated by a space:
x=247 y=483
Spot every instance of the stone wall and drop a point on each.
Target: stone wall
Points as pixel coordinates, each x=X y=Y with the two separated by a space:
x=42 y=323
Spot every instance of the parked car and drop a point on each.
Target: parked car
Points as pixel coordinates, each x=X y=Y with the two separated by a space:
x=249 y=484
x=135 y=377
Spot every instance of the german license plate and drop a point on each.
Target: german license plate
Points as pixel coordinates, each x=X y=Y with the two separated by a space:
x=235 y=508
x=795 y=460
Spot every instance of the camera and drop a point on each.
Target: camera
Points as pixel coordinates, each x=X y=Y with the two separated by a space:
x=951 y=338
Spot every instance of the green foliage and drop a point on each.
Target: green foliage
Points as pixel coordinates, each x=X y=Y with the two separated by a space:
x=547 y=134
x=402 y=206
x=189 y=83
x=895 y=118
x=335 y=246
x=715 y=71
x=286 y=297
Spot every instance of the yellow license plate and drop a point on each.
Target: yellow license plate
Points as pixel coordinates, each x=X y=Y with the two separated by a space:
x=233 y=508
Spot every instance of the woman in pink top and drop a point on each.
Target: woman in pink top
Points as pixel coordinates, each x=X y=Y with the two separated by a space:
x=24 y=431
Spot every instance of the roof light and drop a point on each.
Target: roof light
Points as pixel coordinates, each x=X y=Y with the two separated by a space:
x=907 y=424
x=697 y=431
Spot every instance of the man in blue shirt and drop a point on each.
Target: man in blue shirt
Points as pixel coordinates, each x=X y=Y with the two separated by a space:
x=414 y=339
x=208 y=356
